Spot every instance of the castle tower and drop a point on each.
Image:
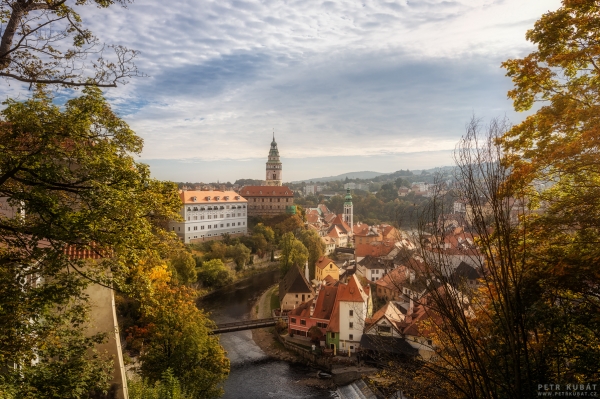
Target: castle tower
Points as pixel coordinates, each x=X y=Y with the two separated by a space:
x=348 y=211
x=273 y=166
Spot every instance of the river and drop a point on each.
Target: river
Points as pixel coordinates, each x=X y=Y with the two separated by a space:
x=253 y=373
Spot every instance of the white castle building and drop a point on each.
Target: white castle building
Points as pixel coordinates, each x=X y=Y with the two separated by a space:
x=207 y=215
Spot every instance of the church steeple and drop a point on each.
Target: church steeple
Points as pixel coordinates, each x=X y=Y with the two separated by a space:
x=348 y=210
x=274 y=169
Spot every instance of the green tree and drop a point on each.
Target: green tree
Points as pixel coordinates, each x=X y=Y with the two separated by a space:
x=218 y=250
x=315 y=246
x=213 y=273
x=70 y=177
x=168 y=387
x=183 y=267
x=266 y=232
x=293 y=253
x=260 y=244
x=240 y=255
x=35 y=45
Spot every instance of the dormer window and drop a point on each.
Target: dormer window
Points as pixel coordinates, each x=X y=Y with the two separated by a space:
x=194 y=199
x=208 y=198
x=227 y=198
x=237 y=197
x=217 y=198
x=260 y=192
x=247 y=192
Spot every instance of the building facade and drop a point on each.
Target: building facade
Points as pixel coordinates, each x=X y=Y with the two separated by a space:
x=269 y=200
x=207 y=215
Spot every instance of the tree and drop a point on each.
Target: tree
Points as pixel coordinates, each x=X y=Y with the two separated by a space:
x=178 y=339
x=266 y=232
x=168 y=387
x=183 y=267
x=71 y=181
x=34 y=46
x=315 y=246
x=293 y=253
x=218 y=250
x=260 y=244
x=240 y=254
x=213 y=273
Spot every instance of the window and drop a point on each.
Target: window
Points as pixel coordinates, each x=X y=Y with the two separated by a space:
x=195 y=217
x=351 y=312
x=372 y=278
x=296 y=295
x=221 y=225
x=216 y=226
x=429 y=342
x=333 y=335
x=302 y=322
x=227 y=224
x=293 y=319
x=179 y=229
x=227 y=215
x=209 y=216
x=210 y=227
x=188 y=229
x=188 y=218
x=221 y=215
x=201 y=227
x=278 y=199
x=351 y=325
x=173 y=228
x=384 y=329
x=351 y=338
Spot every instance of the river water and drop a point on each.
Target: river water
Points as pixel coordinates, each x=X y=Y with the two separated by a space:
x=253 y=373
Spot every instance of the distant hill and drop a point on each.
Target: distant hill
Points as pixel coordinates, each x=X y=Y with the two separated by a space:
x=351 y=175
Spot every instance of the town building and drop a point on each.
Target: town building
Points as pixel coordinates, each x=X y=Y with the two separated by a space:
x=270 y=199
x=326 y=267
x=353 y=305
x=373 y=268
x=207 y=215
x=294 y=289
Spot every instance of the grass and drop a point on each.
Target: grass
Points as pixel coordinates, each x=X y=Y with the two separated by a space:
x=274 y=300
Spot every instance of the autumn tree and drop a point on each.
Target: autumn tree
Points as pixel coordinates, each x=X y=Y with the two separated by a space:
x=69 y=182
x=46 y=42
x=178 y=338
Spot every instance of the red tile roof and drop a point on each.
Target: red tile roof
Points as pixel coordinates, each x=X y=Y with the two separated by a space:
x=202 y=197
x=323 y=262
x=325 y=302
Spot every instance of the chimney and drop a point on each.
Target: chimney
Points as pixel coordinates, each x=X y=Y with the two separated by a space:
x=306 y=272
x=312 y=308
x=410 y=305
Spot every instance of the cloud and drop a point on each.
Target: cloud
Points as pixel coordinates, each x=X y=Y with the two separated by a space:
x=337 y=79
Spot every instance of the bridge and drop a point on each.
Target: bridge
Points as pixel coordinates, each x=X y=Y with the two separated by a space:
x=247 y=325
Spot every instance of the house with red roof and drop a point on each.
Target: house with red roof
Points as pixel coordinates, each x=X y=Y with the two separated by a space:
x=352 y=306
x=326 y=267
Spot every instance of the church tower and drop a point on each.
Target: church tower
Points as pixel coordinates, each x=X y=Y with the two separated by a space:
x=273 y=166
x=348 y=211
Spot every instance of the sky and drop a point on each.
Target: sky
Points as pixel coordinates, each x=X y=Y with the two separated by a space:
x=377 y=85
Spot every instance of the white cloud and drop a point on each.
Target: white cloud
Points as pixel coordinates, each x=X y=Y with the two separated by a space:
x=341 y=77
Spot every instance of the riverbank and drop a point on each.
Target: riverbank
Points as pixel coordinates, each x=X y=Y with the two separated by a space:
x=266 y=341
